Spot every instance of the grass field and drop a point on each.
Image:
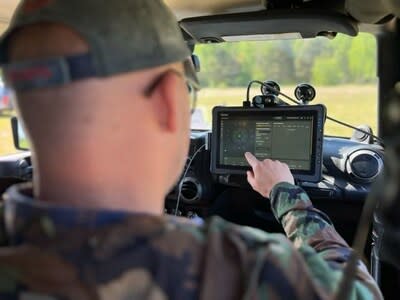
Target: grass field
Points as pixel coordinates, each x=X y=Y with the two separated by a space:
x=354 y=104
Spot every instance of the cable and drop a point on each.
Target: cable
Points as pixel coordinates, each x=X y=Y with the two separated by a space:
x=183 y=177
x=299 y=103
x=249 y=87
x=355 y=128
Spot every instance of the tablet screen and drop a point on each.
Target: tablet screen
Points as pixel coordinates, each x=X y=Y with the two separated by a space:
x=292 y=135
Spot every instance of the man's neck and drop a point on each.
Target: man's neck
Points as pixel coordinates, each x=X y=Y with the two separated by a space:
x=106 y=177
x=108 y=194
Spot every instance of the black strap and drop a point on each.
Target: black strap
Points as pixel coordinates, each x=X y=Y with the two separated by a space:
x=52 y=72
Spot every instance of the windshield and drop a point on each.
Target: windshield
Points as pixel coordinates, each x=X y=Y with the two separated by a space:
x=342 y=70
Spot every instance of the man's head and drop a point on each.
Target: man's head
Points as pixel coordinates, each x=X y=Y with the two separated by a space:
x=101 y=88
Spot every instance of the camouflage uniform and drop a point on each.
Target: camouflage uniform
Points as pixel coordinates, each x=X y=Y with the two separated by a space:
x=70 y=253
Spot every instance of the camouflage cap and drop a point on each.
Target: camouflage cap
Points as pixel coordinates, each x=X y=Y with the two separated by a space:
x=123 y=36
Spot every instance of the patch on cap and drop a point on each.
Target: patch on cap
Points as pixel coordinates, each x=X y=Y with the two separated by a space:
x=30 y=6
x=52 y=72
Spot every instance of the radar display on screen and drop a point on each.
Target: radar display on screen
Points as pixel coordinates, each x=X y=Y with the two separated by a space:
x=288 y=139
x=292 y=135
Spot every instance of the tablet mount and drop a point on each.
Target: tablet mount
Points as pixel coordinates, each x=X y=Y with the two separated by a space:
x=270 y=91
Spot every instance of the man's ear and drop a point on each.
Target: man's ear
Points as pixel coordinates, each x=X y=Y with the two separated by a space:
x=165 y=100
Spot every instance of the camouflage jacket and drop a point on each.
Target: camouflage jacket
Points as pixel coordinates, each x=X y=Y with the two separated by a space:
x=53 y=252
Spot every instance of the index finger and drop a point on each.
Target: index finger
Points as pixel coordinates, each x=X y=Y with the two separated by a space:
x=251 y=159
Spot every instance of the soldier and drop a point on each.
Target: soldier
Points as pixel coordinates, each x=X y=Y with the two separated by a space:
x=101 y=87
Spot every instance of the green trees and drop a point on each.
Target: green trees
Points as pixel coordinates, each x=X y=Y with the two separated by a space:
x=319 y=61
x=362 y=68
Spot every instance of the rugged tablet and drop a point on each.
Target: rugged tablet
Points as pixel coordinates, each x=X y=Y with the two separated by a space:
x=291 y=134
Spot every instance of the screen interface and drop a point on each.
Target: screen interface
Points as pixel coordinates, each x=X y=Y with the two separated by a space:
x=286 y=138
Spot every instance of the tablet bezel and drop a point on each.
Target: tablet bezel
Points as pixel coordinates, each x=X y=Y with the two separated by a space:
x=317 y=111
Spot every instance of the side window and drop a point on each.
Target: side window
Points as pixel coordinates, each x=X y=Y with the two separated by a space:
x=6 y=112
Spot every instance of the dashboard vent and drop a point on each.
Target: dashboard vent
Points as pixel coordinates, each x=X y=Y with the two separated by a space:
x=364 y=165
x=190 y=190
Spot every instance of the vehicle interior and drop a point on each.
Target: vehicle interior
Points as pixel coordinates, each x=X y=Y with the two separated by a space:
x=341 y=169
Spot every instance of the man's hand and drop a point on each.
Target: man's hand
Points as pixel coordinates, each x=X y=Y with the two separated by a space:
x=266 y=174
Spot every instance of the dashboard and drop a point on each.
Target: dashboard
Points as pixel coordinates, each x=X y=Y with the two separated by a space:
x=349 y=169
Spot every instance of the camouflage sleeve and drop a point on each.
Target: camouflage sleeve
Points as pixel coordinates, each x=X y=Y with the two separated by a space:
x=307 y=226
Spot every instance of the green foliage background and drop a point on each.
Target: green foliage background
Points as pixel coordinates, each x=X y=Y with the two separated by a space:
x=320 y=61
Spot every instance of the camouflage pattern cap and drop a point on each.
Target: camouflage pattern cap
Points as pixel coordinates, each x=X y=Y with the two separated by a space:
x=123 y=36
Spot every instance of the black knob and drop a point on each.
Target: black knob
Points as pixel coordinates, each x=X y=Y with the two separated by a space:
x=270 y=87
x=305 y=92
